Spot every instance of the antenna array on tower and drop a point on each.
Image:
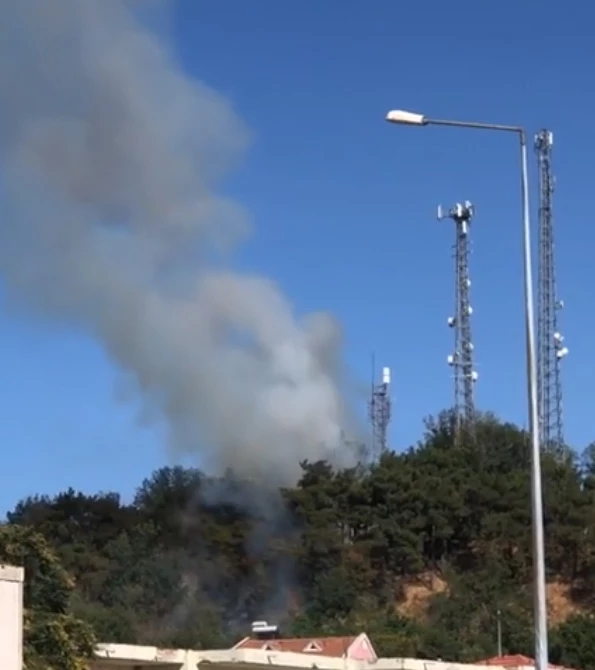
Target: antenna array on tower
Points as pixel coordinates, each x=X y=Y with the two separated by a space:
x=461 y=360
x=550 y=342
x=380 y=412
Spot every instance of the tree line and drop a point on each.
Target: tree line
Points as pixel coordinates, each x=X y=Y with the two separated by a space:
x=194 y=558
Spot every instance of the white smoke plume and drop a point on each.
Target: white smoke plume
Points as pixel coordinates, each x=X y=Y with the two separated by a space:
x=110 y=157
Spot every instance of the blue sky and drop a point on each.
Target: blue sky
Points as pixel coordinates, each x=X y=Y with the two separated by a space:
x=344 y=212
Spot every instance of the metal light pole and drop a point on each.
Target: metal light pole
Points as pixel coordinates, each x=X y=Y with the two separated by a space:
x=539 y=591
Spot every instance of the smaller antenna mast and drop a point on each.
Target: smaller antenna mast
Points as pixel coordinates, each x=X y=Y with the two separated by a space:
x=380 y=412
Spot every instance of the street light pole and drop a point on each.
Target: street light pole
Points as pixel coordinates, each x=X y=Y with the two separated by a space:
x=539 y=589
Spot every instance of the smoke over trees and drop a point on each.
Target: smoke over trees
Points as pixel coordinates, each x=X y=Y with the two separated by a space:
x=113 y=222
x=419 y=550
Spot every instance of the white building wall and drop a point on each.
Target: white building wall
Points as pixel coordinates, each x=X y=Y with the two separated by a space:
x=123 y=656
x=11 y=617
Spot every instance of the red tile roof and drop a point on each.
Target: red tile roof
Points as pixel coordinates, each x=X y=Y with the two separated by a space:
x=512 y=661
x=323 y=646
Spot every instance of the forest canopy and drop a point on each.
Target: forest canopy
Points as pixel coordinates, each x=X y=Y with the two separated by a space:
x=421 y=550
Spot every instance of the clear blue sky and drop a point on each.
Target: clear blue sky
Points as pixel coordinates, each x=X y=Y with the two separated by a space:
x=344 y=211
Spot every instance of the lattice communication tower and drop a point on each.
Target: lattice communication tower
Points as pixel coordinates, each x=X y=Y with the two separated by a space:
x=461 y=360
x=550 y=342
x=380 y=412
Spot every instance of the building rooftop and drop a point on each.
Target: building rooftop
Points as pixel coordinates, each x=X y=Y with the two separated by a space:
x=513 y=661
x=120 y=656
x=337 y=647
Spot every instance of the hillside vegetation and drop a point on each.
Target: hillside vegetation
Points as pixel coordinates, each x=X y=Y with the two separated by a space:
x=419 y=550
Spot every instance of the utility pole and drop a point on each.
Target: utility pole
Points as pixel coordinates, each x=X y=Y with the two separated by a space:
x=550 y=342
x=407 y=118
x=461 y=360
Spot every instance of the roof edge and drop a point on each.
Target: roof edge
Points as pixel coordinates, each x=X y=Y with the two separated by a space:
x=238 y=645
x=363 y=636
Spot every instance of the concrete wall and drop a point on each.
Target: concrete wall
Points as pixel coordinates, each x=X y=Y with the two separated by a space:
x=136 y=657
x=127 y=657
x=11 y=617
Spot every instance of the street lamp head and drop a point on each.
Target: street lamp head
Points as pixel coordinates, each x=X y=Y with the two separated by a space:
x=406 y=118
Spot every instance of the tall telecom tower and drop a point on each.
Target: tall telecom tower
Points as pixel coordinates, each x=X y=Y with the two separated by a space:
x=462 y=358
x=380 y=412
x=550 y=343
